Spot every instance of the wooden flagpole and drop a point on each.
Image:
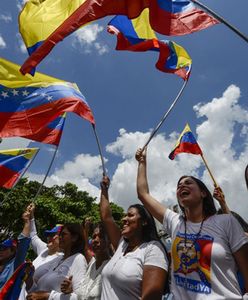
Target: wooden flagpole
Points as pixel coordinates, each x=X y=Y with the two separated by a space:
x=210 y=173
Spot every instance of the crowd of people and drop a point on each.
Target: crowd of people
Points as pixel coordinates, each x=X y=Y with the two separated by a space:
x=207 y=255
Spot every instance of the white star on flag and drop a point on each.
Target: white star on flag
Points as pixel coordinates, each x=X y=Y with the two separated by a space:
x=15 y=92
x=25 y=93
x=5 y=94
x=49 y=98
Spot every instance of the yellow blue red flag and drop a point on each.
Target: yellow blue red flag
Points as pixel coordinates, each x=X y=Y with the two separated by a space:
x=12 y=288
x=13 y=163
x=186 y=143
x=28 y=103
x=166 y=17
x=137 y=35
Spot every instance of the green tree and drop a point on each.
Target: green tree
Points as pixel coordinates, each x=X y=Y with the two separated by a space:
x=54 y=205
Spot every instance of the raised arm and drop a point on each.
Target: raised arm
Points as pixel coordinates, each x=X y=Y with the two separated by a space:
x=150 y=203
x=220 y=197
x=111 y=227
x=23 y=241
x=37 y=244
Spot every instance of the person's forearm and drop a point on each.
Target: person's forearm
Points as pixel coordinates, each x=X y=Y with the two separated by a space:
x=142 y=183
x=224 y=207
x=105 y=209
x=151 y=204
x=26 y=228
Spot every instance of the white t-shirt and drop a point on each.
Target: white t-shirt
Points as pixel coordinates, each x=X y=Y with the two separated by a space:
x=91 y=287
x=60 y=269
x=206 y=269
x=122 y=276
x=42 y=261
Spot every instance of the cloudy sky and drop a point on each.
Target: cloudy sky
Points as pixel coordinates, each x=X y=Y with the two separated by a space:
x=128 y=97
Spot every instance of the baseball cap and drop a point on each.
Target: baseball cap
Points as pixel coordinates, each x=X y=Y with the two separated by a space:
x=8 y=243
x=54 y=230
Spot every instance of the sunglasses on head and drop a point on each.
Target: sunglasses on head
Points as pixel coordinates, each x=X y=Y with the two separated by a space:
x=51 y=235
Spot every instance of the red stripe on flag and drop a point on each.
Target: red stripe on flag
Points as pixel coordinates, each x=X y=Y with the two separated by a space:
x=31 y=121
x=186 y=148
x=180 y=23
x=8 y=177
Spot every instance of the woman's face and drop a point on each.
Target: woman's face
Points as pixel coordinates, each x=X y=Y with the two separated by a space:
x=132 y=223
x=53 y=242
x=65 y=239
x=99 y=242
x=6 y=253
x=189 y=193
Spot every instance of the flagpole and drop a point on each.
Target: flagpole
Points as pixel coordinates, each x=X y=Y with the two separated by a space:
x=100 y=150
x=47 y=173
x=222 y=20
x=166 y=114
x=210 y=173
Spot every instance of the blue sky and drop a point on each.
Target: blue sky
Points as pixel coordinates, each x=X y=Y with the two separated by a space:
x=128 y=96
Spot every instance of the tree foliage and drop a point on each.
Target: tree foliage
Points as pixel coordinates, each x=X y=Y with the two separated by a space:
x=54 y=205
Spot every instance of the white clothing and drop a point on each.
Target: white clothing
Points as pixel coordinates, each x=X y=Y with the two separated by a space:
x=40 y=248
x=37 y=244
x=91 y=287
x=205 y=268
x=60 y=269
x=122 y=276
x=42 y=261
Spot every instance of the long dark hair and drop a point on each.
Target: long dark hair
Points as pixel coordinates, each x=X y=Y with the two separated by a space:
x=75 y=230
x=208 y=206
x=149 y=231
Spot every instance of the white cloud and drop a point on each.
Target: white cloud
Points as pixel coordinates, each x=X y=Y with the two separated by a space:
x=20 y=3
x=3 y=44
x=87 y=37
x=83 y=169
x=6 y=18
x=21 y=45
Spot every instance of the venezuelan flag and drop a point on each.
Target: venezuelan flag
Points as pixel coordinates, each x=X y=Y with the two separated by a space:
x=178 y=17
x=51 y=133
x=13 y=163
x=28 y=103
x=38 y=19
x=169 y=17
x=88 y=11
x=186 y=143
x=12 y=288
x=137 y=35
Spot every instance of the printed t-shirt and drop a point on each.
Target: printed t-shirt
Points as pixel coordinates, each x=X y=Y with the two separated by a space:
x=206 y=269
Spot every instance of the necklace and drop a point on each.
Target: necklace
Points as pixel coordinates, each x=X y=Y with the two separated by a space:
x=59 y=263
x=187 y=248
x=131 y=249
